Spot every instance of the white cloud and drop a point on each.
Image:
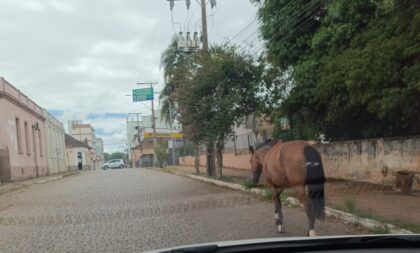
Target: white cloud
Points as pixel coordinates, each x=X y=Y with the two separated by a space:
x=83 y=57
x=62 y=5
x=116 y=47
x=25 y=5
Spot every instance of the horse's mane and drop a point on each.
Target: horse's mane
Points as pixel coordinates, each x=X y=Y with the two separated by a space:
x=268 y=142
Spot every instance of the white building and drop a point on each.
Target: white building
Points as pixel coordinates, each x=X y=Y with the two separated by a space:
x=56 y=147
x=86 y=134
x=82 y=132
x=78 y=154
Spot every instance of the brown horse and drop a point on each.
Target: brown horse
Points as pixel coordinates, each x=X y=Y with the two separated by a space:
x=295 y=164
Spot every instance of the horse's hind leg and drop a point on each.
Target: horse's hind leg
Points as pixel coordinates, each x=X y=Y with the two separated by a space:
x=278 y=213
x=300 y=190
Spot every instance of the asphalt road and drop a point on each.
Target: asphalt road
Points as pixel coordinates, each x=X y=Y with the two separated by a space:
x=133 y=210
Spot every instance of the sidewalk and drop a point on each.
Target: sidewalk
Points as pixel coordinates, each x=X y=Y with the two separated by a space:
x=365 y=200
x=8 y=187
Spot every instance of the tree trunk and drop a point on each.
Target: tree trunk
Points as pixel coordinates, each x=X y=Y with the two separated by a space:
x=219 y=157
x=211 y=168
x=197 y=158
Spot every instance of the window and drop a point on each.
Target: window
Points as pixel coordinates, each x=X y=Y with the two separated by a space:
x=28 y=147
x=19 y=137
x=40 y=143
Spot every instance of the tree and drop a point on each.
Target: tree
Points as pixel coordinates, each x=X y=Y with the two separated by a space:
x=214 y=91
x=106 y=156
x=117 y=155
x=161 y=151
x=223 y=93
x=353 y=65
x=177 y=68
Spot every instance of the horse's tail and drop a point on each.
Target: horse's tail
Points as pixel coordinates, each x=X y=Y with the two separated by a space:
x=315 y=180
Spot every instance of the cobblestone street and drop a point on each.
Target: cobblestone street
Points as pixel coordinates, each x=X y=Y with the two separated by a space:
x=133 y=210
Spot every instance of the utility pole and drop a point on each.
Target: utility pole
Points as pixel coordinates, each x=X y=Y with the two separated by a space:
x=211 y=165
x=153 y=119
x=138 y=137
x=171 y=126
x=204 y=26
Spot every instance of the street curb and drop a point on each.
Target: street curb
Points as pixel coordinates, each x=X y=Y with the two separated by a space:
x=347 y=218
x=48 y=179
x=10 y=187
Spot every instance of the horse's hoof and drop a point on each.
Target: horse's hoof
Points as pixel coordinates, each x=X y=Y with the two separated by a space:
x=312 y=233
x=280 y=228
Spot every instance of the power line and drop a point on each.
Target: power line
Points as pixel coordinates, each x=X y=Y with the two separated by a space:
x=175 y=23
x=245 y=43
x=242 y=30
x=298 y=24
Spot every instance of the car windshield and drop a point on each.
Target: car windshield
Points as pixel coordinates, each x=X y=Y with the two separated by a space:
x=129 y=126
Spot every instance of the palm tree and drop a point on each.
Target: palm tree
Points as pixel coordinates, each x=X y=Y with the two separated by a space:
x=177 y=69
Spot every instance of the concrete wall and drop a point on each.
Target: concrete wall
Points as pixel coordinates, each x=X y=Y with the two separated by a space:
x=31 y=159
x=56 y=147
x=230 y=160
x=369 y=160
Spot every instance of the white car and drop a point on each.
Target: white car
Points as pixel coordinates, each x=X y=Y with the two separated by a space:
x=114 y=164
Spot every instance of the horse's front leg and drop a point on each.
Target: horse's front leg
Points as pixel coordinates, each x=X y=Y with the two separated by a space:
x=278 y=213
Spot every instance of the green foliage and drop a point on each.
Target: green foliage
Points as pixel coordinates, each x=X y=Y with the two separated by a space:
x=115 y=155
x=380 y=230
x=248 y=184
x=187 y=149
x=176 y=68
x=106 y=156
x=267 y=194
x=350 y=205
x=223 y=92
x=352 y=66
x=161 y=151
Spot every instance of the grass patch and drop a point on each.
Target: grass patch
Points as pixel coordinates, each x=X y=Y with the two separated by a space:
x=248 y=184
x=397 y=222
x=380 y=230
x=230 y=179
x=226 y=179
x=287 y=193
x=415 y=228
x=350 y=205
x=268 y=194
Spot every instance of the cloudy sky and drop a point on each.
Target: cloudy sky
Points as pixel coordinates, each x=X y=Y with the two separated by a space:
x=80 y=58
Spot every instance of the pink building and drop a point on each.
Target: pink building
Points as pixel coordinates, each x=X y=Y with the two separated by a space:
x=22 y=140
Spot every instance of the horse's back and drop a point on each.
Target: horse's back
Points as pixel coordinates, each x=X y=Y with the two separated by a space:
x=286 y=163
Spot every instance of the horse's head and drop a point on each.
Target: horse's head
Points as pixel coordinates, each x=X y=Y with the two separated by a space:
x=257 y=158
x=256 y=166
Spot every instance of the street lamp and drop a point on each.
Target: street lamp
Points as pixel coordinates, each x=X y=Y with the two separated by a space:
x=170 y=125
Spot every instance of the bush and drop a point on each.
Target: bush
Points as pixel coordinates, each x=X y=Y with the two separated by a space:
x=350 y=205
x=161 y=151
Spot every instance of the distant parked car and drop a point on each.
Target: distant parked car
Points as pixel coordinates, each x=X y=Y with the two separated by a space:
x=114 y=164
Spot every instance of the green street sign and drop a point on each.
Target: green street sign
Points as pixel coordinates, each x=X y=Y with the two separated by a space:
x=143 y=94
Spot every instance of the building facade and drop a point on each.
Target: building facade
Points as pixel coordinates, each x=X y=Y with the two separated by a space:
x=56 y=148
x=86 y=133
x=98 y=145
x=23 y=152
x=78 y=154
x=137 y=126
x=140 y=139
x=82 y=132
